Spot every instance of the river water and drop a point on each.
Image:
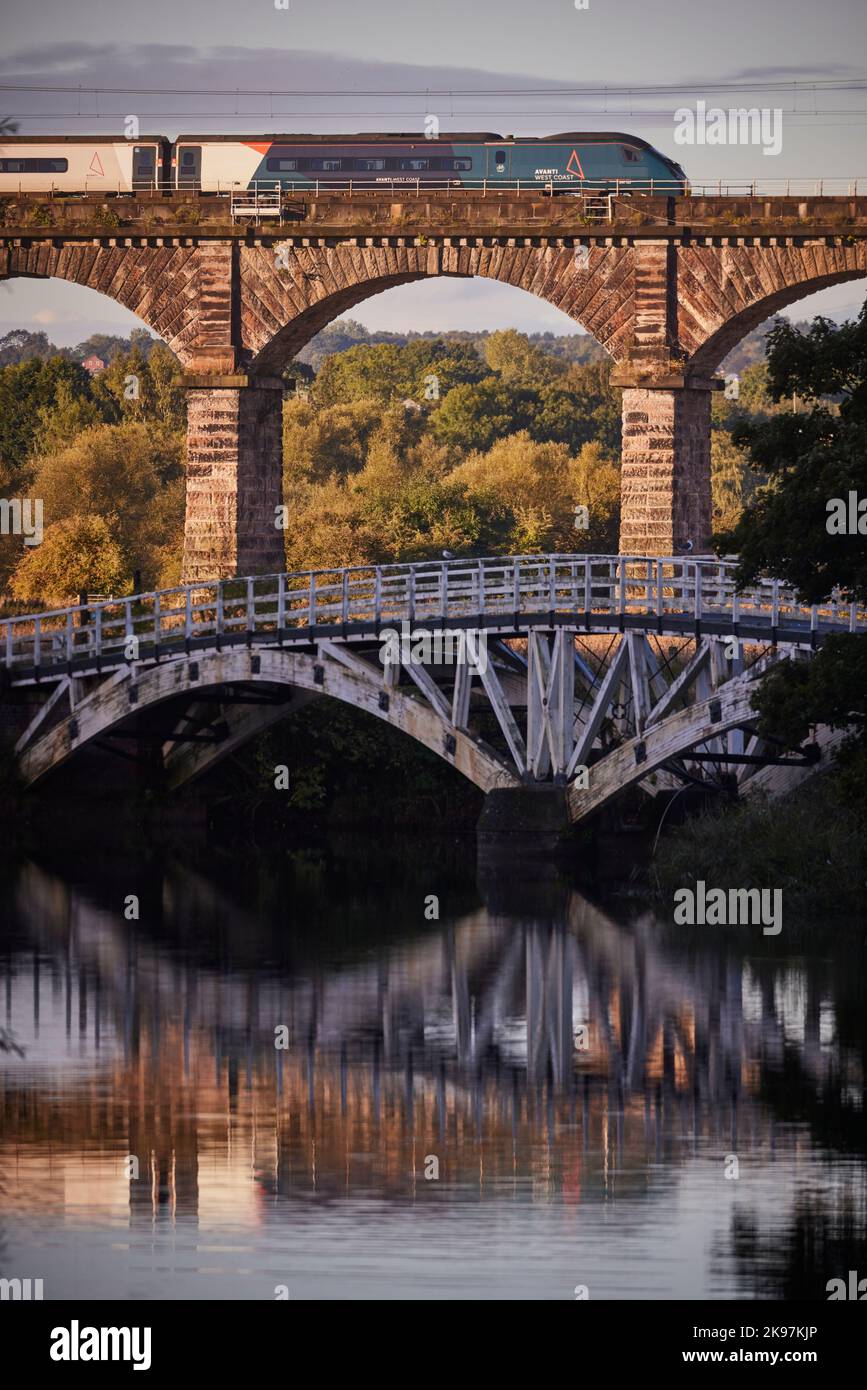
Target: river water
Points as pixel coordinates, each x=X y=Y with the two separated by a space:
x=530 y=1096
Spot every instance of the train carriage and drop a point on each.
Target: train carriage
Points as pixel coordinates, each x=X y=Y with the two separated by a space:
x=573 y=162
x=81 y=164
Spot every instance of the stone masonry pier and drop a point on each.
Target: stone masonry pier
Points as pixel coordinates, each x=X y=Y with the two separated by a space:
x=668 y=286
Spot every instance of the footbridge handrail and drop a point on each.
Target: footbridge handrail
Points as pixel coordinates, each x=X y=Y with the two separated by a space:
x=507 y=593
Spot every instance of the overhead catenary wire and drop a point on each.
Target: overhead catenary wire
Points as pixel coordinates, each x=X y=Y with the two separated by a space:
x=823 y=84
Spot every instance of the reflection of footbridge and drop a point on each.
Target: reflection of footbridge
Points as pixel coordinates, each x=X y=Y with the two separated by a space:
x=584 y=674
x=564 y=1062
x=581 y=1000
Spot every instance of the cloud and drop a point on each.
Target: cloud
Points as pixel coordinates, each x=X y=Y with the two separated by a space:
x=358 y=94
x=110 y=64
x=795 y=72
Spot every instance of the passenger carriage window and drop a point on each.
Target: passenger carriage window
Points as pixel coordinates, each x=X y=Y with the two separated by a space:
x=367 y=165
x=188 y=157
x=328 y=166
x=462 y=164
x=34 y=166
x=415 y=165
x=281 y=166
x=630 y=155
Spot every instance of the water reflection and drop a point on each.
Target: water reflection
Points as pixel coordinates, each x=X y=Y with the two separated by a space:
x=581 y=1083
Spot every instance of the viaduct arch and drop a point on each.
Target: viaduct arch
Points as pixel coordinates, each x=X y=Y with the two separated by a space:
x=666 y=305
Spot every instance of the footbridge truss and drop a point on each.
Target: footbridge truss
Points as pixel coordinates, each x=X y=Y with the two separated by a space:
x=594 y=673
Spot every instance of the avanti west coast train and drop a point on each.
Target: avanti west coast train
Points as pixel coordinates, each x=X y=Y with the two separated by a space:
x=575 y=162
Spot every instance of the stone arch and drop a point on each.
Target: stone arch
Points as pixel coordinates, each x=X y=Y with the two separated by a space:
x=161 y=285
x=289 y=340
x=283 y=306
x=723 y=292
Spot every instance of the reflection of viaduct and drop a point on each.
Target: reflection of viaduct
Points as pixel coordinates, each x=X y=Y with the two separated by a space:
x=667 y=291
x=478 y=1029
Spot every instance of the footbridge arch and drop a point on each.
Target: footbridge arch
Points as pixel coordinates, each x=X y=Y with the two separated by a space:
x=587 y=674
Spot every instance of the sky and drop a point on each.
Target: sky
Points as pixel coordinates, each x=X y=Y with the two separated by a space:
x=512 y=66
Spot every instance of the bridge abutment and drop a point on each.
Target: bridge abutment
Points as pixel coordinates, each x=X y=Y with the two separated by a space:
x=665 y=477
x=234 y=477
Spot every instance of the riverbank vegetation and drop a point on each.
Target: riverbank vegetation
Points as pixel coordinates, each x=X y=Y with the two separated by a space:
x=812 y=846
x=815 y=844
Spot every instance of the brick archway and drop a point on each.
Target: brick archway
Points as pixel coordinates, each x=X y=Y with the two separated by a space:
x=289 y=292
x=665 y=305
x=725 y=292
x=161 y=285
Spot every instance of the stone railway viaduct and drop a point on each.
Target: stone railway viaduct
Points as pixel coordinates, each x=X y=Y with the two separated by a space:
x=667 y=286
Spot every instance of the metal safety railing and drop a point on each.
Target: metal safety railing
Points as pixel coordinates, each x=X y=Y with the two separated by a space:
x=256 y=203
x=361 y=187
x=599 y=592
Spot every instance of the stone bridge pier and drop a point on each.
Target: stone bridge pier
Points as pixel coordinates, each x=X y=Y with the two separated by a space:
x=667 y=294
x=234 y=476
x=665 y=473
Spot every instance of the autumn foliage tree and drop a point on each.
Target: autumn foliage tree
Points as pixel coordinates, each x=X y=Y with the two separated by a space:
x=812 y=458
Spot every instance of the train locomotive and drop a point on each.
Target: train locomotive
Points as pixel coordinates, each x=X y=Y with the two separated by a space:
x=574 y=162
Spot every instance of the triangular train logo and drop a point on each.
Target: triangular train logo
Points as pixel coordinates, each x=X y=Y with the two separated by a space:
x=96 y=164
x=574 y=165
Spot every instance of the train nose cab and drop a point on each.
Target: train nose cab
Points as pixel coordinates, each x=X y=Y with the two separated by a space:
x=188 y=166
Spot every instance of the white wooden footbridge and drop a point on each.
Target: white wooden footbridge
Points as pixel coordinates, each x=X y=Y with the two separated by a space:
x=591 y=673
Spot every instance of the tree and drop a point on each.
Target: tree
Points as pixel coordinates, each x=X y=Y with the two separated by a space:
x=425 y=369
x=517 y=362
x=78 y=555
x=334 y=337
x=526 y=482
x=108 y=346
x=539 y=489
x=811 y=458
x=474 y=416
x=598 y=403
x=139 y=387
x=361 y=373
x=330 y=441
x=127 y=476
x=733 y=481
x=752 y=400
x=26 y=389
x=596 y=482
x=61 y=422
x=19 y=346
